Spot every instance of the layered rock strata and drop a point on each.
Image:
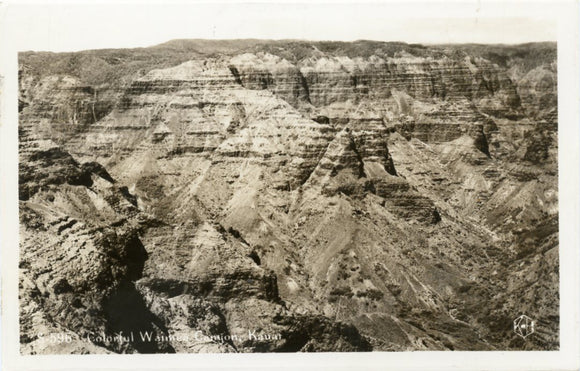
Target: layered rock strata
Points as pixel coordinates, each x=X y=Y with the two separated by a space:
x=320 y=196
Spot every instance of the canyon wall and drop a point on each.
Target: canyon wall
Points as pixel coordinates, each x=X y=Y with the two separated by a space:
x=345 y=196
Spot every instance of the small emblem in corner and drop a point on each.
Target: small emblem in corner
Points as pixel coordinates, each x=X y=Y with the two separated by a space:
x=524 y=326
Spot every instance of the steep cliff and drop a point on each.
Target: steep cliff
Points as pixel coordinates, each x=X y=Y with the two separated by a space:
x=345 y=196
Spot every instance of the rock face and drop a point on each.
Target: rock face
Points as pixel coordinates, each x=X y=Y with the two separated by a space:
x=288 y=196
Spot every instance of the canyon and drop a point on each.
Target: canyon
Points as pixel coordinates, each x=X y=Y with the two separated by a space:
x=325 y=196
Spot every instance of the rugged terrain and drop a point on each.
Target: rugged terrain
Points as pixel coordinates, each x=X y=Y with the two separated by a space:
x=324 y=196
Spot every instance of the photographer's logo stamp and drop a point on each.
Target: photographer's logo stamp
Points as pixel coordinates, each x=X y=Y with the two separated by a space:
x=524 y=326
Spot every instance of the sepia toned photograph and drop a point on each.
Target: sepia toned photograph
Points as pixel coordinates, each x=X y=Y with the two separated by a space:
x=291 y=194
x=269 y=196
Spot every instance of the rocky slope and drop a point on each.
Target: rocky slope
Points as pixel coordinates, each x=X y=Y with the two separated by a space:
x=322 y=196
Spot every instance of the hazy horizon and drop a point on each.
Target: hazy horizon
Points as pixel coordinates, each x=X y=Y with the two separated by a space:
x=296 y=40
